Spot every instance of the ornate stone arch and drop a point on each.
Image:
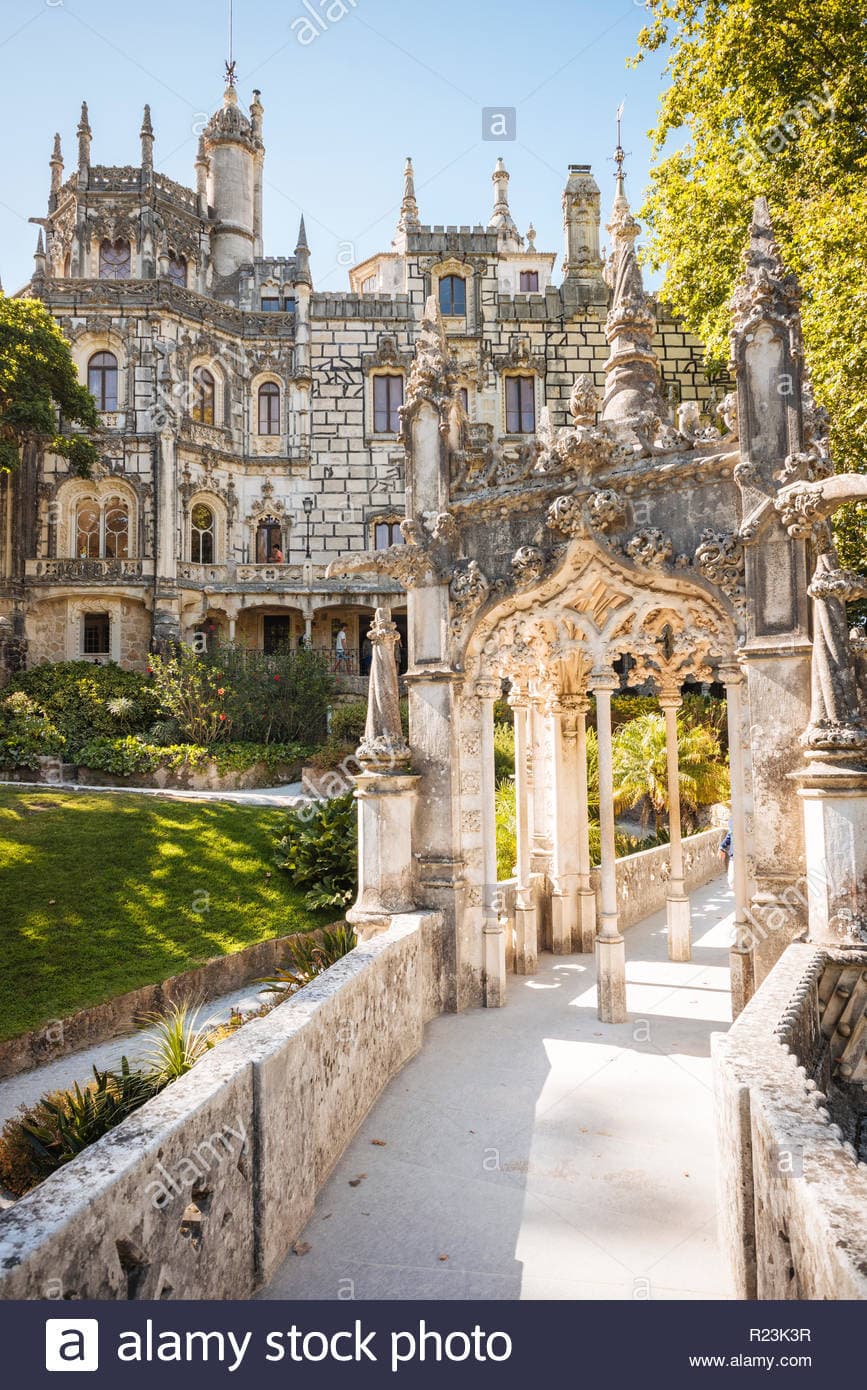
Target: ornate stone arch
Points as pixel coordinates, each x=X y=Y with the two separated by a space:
x=74 y=491
x=90 y=339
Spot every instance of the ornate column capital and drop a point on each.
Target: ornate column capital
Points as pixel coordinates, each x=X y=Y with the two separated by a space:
x=603 y=678
x=730 y=673
x=488 y=689
x=669 y=697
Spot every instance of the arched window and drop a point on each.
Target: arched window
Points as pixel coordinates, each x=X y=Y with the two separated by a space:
x=87 y=528
x=202 y=535
x=269 y=542
x=178 y=271
x=102 y=380
x=387 y=400
x=269 y=408
x=204 y=395
x=115 y=260
x=520 y=404
x=116 y=529
x=386 y=533
x=453 y=295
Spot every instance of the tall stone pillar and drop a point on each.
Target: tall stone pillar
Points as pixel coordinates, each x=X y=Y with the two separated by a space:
x=677 y=907
x=610 y=947
x=385 y=791
x=167 y=623
x=565 y=861
x=526 y=944
x=541 y=812
x=743 y=960
x=586 y=893
x=493 y=929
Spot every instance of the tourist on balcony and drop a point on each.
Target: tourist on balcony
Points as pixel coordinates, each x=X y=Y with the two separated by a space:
x=277 y=555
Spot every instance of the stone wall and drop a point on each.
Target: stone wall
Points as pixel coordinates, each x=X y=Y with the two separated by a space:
x=642 y=878
x=201 y=1193
x=792 y=1193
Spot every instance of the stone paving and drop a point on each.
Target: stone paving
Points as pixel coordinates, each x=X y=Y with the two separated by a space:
x=291 y=794
x=533 y=1152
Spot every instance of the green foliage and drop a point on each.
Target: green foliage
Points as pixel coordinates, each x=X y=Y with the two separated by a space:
x=626 y=707
x=273 y=698
x=43 y=1137
x=311 y=954
x=768 y=96
x=178 y=1044
x=193 y=691
x=38 y=379
x=123 y=757
x=506 y=828
x=319 y=849
x=83 y=701
x=26 y=733
x=640 y=768
x=348 y=721
x=504 y=751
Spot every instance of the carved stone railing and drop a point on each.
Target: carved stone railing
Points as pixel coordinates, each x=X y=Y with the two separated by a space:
x=88 y=571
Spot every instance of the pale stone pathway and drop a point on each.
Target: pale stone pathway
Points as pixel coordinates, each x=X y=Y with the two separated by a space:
x=533 y=1152
x=292 y=794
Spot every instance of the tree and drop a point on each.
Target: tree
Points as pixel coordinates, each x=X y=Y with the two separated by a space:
x=768 y=96
x=640 y=768
x=38 y=378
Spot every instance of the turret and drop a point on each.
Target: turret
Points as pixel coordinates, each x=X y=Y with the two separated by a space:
x=233 y=150
x=147 y=149
x=502 y=222
x=56 y=165
x=84 y=139
x=302 y=258
x=202 y=178
x=582 y=263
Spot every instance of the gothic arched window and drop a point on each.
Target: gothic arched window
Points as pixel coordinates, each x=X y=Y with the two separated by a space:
x=87 y=518
x=178 y=271
x=269 y=542
x=202 y=535
x=453 y=295
x=102 y=380
x=269 y=408
x=204 y=396
x=116 y=527
x=520 y=404
x=115 y=260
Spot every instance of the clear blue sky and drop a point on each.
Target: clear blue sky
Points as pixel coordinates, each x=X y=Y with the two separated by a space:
x=391 y=78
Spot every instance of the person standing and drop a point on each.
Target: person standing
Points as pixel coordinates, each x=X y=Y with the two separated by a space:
x=340 y=645
x=727 y=854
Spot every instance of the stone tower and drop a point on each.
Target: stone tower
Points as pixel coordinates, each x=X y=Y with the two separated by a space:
x=234 y=151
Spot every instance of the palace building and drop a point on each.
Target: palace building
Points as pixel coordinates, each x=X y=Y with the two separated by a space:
x=252 y=425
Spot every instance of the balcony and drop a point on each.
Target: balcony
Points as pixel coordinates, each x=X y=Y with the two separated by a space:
x=88 y=571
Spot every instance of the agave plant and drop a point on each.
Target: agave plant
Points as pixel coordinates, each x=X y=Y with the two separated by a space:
x=178 y=1044
x=65 y=1123
x=311 y=954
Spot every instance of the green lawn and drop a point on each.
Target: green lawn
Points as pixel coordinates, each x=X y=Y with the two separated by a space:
x=100 y=894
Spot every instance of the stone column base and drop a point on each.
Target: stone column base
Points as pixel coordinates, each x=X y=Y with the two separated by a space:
x=834 y=793
x=564 y=922
x=494 y=942
x=385 y=866
x=679 y=918
x=586 y=936
x=526 y=945
x=743 y=977
x=611 y=979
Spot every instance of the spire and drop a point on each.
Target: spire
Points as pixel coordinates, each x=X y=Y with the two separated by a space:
x=765 y=288
x=501 y=218
x=302 y=257
x=84 y=139
x=202 y=177
x=582 y=263
x=408 y=220
x=39 y=258
x=56 y=165
x=632 y=370
x=147 y=142
x=256 y=113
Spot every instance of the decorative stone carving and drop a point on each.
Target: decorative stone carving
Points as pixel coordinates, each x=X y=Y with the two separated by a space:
x=432 y=375
x=607 y=510
x=584 y=400
x=468 y=589
x=720 y=558
x=650 y=547
x=528 y=566
x=566 y=514
x=766 y=290
x=383 y=746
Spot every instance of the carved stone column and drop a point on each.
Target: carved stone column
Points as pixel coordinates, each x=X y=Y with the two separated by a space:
x=610 y=948
x=676 y=900
x=526 y=944
x=541 y=811
x=565 y=858
x=385 y=791
x=586 y=893
x=492 y=928
x=743 y=957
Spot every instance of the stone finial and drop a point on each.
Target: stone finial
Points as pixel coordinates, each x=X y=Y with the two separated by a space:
x=56 y=165
x=383 y=746
x=84 y=140
x=502 y=221
x=257 y=111
x=531 y=238
x=766 y=289
x=431 y=376
x=302 y=257
x=582 y=263
x=39 y=258
x=147 y=143
x=409 y=219
x=633 y=378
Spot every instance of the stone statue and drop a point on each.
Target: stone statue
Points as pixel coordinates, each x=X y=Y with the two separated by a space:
x=836 y=711
x=383 y=746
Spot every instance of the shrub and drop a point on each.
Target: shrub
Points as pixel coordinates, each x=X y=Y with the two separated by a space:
x=26 y=733
x=319 y=849
x=84 y=701
x=179 y=1043
x=348 y=721
x=43 y=1137
x=504 y=751
x=311 y=954
x=274 y=698
x=192 y=691
x=123 y=757
x=507 y=834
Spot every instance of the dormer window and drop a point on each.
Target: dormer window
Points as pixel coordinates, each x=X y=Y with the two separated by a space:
x=178 y=271
x=529 y=282
x=270 y=304
x=453 y=296
x=115 y=260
